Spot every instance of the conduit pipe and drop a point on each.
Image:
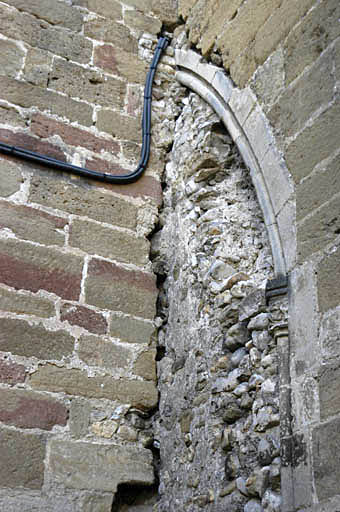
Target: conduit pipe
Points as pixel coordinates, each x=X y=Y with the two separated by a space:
x=123 y=179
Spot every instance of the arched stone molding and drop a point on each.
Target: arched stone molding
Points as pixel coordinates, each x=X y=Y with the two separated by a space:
x=250 y=130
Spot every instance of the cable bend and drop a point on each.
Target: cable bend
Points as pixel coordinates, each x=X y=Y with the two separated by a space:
x=123 y=179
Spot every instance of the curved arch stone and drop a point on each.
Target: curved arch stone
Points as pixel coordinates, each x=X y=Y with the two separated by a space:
x=250 y=130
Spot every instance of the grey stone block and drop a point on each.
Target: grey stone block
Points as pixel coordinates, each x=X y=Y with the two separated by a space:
x=326 y=447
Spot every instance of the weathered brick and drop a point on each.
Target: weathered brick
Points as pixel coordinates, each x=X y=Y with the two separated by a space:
x=314 y=143
x=31 y=224
x=79 y=417
x=119 y=125
x=311 y=37
x=98 y=466
x=206 y=20
x=83 y=317
x=238 y=33
x=11 y=58
x=110 y=32
x=138 y=393
x=23 y=140
x=95 y=351
x=13 y=175
x=38 y=64
x=166 y=11
x=146 y=186
x=326 y=446
x=138 y=21
x=46 y=127
x=318 y=230
x=82 y=200
x=113 y=287
x=27 y=409
x=10 y=115
x=23 y=339
x=130 y=329
x=55 y=13
x=22 y=459
x=318 y=189
x=25 y=304
x=27 y=96
x=184 y=7
x=11 y=373
x=121 y=63
x=87 y=85
x=299 y=102
x=328 y=274
x=278 y=25
x=30 y=267
x=110 y=243
x=145 y=365
x=40 y=34
x=107 y=8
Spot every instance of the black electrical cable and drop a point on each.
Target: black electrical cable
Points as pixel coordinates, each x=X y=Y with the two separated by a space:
x=123 y=179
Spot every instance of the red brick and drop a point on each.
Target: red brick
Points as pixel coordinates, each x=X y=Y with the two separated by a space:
x=84 y=317
x=25 y=141
x=11 y=373
x=45 y=127
x=113 y=287
x=27 y=409
x=145 y=186
x=29 y=267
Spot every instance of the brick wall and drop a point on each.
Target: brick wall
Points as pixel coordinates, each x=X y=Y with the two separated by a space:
x=77 y=294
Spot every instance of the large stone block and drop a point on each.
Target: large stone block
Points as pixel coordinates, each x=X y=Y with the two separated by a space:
x=106 y=8
x=11 y=58
x=311 y=37
x=95 y=351
x=140 y=394
x=120 y=63
x=315 y=143
x=31 y=267
x=318 y=189
x=82 y=200
x=120 y=126
x=145 y=365
x=32 y=224
x=11 y=373
x=112 y=287
x=130 y=329
x=27 y=409
x=27 y=96
x=20 y=338
x=329 y=390
x=25 y=304
x=242 y=29
x=37 y=68
x=278 y=25
x=111 y=32
x=25 y=141
x=46 y=127
x=110 y=243
x=315 y=232
x=138 y=21
x=330 y=335
x=299 y=101
x=328 y=276
x=98 y=466
x=13 y=180
x=326 y=446
x=51 y=11
x=83 y=317
x=21 y=459
x=92 y=86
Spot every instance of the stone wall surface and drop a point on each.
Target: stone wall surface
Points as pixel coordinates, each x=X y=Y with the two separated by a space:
x=78 y=291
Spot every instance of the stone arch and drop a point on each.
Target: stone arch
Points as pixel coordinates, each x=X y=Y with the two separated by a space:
x=250 y=130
